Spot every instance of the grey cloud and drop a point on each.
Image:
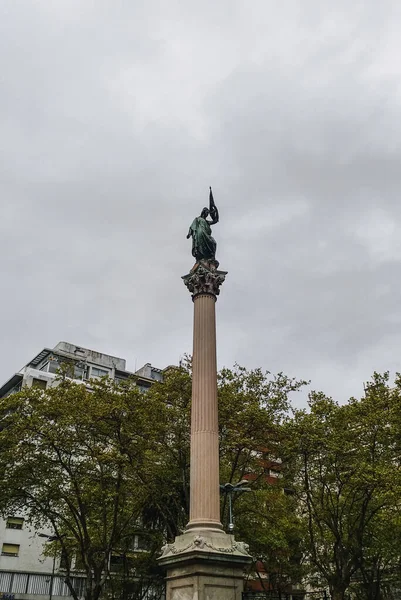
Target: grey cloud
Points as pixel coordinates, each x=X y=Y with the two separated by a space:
x=114 y=121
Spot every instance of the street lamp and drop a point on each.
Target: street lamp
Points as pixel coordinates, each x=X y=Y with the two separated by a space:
x=229 y=489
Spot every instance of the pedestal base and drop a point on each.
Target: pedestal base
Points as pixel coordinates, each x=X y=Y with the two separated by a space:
x=205 y=565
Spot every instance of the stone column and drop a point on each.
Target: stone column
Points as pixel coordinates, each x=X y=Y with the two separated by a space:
x=204 y=563
x=204 y=486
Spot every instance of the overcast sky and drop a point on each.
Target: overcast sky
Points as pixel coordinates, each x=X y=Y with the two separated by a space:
x=115 y=117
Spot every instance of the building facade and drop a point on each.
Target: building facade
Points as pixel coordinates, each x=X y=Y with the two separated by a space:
x=81 y=365
x=25 y=572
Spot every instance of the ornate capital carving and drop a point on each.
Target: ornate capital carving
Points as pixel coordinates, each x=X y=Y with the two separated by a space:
x=204 y=278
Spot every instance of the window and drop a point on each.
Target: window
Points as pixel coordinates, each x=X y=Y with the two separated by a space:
x=79 y=563
x=64 y=560
x=119 y=377
x=117 y=562
x=81 y=371
x=16 y=388
x=141 y=543
x=53 y=366
x=69 y=368
x=39 y=383
x=143 y=386
x=96 y=372
x=10 y=550
x=14 y=523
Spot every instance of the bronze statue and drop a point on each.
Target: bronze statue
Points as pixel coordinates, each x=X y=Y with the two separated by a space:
x=203 y=244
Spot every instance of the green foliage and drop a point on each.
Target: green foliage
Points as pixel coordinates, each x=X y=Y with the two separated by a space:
x=267 y=519
x=167 y=501
x=344 y=463
x=79 y=460
x=253 y=406
x=108 y=466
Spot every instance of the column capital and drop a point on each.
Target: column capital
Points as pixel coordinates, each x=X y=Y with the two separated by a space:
x=204 y=278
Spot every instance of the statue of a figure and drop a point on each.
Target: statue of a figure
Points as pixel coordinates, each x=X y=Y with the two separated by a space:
x=203 y=244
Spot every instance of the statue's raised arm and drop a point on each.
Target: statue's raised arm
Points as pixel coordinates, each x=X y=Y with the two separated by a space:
x=203 y=244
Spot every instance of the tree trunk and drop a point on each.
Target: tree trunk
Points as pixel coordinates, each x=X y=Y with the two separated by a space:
x=372 y=590
x=337 y=590
x=337 y=594
x=73 y=592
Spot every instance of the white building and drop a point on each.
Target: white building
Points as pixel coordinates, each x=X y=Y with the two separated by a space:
x=83 y=364
x=25 y=573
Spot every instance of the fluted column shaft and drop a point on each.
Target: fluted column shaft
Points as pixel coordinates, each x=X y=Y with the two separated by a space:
x=204 y=500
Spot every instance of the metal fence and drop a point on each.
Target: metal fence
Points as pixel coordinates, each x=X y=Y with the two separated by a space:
x=266 y=595
x=15 y=584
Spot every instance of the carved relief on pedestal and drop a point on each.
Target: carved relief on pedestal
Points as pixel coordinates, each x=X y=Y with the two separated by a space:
x=204 y=278
x=206 y=543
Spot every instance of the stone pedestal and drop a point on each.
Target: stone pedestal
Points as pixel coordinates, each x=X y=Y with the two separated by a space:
x=204 y=563
x=205 y=566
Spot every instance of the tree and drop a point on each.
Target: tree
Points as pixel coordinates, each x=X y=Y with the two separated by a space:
x=322 y=462
x=106 y=464
x=346 y=476
x=267 y=519
x=253 y=406
x=79 y=460
x=167 y=502
x=379 y=427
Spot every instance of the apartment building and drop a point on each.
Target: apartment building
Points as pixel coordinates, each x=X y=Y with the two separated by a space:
x=82 y=364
